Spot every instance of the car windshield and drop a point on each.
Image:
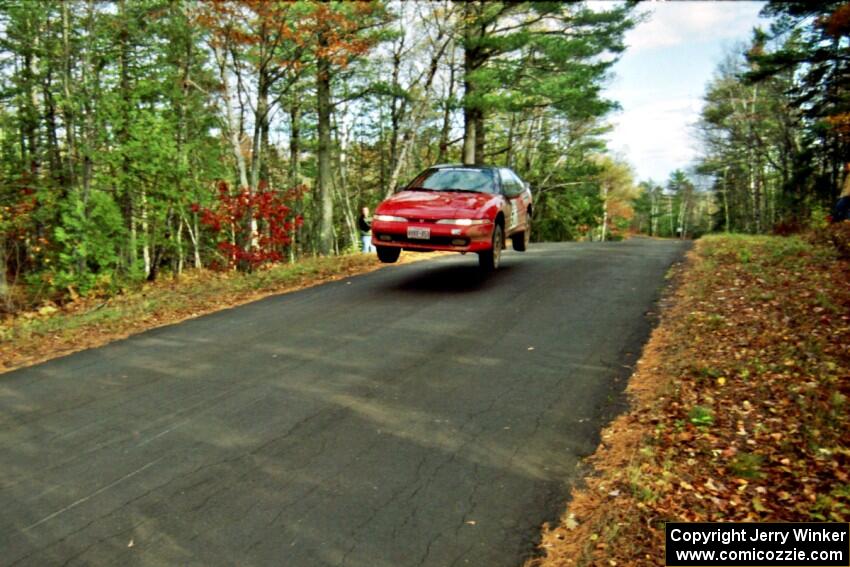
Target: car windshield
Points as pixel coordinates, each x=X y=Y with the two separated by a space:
x=456 y=179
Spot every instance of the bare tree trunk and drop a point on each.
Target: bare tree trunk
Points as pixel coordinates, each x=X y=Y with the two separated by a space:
x=261 y=117
x=32 y=119
x=295 y=142
x=342 y=187
x=233 y=124
x=755 y=188
x=4 y=286
x=653 y=211
x=413 y=119
x=324 y=173
x=680 y=218
x=67 y=107
x=670 y=214
x=604 y=211
x=470 y=117
x=509 y=153
x=480 y=132
x=468 y=139
x=753 y=203
x=529 y=146
x=182 y=151
x=54 y=153
x=726 y=228
x=126 y=191
x=295 y=168
x=347 y=212
x=235 y=129
x=444 y=131
x=398 y=107
x=193 y=236
x=146 y=250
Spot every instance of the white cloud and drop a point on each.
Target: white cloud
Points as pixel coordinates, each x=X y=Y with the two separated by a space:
x=660 y=80
x=655 y=137
x=673 y=23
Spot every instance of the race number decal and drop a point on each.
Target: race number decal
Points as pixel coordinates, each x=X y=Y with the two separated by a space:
x=514 y=215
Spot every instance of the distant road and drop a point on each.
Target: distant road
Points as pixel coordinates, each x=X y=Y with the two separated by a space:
x=417 y=415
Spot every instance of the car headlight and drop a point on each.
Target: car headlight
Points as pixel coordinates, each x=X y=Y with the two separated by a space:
x=389 y=218
x=463 y=222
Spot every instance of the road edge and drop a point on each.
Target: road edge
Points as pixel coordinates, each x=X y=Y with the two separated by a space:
x=588 y=498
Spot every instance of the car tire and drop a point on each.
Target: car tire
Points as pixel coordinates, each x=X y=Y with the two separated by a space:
x=489 y=260
x=521 y=240
x=388 y=254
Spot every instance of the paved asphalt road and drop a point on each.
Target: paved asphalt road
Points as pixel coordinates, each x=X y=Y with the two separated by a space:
x=416 y=415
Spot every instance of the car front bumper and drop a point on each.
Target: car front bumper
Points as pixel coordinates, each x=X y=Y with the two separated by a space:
x=446 y=237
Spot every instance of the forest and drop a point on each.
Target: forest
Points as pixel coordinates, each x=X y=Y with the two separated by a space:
x=775 y=128
x=140 y=138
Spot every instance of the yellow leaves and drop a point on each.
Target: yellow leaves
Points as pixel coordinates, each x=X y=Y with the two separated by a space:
x=840 y=121
x=47 y=310
x=753 y=369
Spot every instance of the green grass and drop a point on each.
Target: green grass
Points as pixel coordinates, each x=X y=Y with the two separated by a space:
x=701 y=415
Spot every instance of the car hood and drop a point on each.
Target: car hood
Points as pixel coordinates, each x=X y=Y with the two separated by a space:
x=436 y=204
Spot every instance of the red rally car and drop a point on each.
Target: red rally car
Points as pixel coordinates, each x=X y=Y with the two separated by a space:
x=459 y=208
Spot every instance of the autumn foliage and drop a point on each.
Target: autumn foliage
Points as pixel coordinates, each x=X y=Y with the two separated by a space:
x=17 y=231
x=269 y=211
x=740 y=407
x=15 y=217
x=837 y=24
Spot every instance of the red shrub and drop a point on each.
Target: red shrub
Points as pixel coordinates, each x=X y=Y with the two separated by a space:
x=232 y=215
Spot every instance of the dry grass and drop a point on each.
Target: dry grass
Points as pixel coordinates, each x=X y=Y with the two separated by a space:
x=739 y=407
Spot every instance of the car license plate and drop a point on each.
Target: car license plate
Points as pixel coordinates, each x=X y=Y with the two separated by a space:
x=419 y=233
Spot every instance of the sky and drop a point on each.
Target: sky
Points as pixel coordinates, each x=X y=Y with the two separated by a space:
x=661 y=78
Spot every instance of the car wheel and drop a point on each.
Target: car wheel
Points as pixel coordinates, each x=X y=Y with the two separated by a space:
x=388 y=254
x=521 y=240
x=489 y=260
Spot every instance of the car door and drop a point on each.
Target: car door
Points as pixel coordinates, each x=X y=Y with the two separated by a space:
x=513 y=189
x=524 y=199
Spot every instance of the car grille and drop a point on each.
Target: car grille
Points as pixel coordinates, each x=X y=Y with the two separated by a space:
x=435 y=240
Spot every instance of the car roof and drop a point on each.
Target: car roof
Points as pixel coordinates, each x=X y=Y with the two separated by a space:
x=463 y=166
